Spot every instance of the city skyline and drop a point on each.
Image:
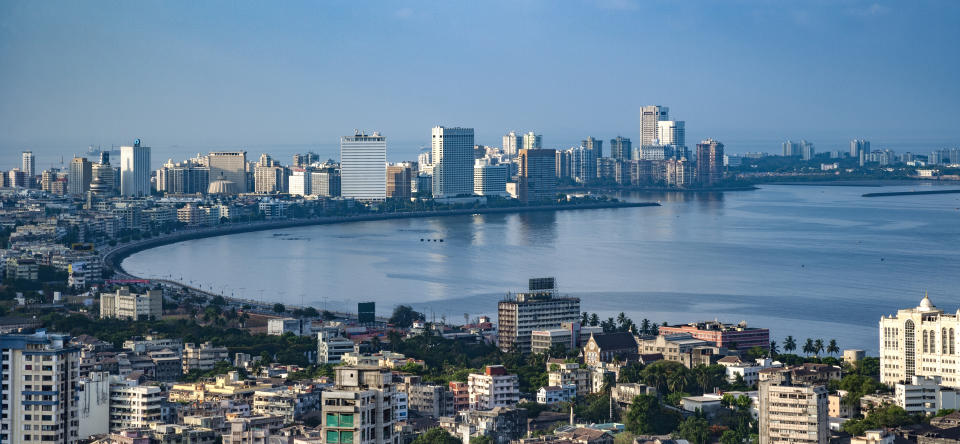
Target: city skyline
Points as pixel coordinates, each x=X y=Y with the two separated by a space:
x=829 y=93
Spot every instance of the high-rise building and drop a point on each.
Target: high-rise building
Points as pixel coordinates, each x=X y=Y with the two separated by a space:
x=858 y=146
x=802 y=149
x=39 y=378
x=28 y=166
x=185 y=177
x=104 y=176
x=359 y=408
x=268 y=176
x=532 y=141
x=678 y=172
x=596 y=145
x=325 y=182
x=672 y=132
x=135 y=170
x=539 y=308
x=300 y=182
x=621 y=148
x=512 y=144
x=649 y=117
x=920 y=341
x=399 y=178
x=793 y=413
x=230 y=166
x=709 y=162
x=79 y=177
x=452 y=161
x=489 y=179
x=363 y=166
x=537 y=175
x=583 y=164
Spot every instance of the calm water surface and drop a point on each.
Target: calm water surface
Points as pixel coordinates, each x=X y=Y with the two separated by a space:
x=807 y=261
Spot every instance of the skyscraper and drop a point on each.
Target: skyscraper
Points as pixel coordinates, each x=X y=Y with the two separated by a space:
x=512 y=144
x=621 y=148
x=230 y=166
x=649 y=116
x=452 y=161
x=135 y=170
x=363 y=166
x=593 y=144
x=858 y=146
x=40 y=402
x=489 y=179
x=79 y=176
x=671 y=132
x=709 y=162
x=269 y=176
x=399 y=177
x=532 y=141
x=539 y=308
x=537 y=175
x=29 y=166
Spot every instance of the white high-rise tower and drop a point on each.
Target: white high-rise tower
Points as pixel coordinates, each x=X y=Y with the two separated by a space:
x=363 y=166
x=135 y=170
x=452 y=161
x=671 y=132
x=649 y=117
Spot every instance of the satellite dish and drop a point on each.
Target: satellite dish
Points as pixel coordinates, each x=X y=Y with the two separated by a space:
x=136 y=142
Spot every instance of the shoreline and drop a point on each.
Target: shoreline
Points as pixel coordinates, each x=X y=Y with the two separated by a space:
x=114 y=257
x=910 y=193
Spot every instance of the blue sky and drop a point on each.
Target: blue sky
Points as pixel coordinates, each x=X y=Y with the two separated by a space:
x=216 y=74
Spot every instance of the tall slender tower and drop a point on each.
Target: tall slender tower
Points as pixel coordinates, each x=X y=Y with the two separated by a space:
x=29 y=166
x=452 y=161
x=363 y=166
x=135 y=170
x=649 y=116
x=709 y=162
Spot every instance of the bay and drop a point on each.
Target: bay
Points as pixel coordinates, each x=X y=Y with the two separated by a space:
x=807 y=261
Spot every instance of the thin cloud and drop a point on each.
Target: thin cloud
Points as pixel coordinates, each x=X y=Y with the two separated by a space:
x=404 y=13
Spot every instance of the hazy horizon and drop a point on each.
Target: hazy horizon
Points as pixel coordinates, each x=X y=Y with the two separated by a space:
x=197 y=76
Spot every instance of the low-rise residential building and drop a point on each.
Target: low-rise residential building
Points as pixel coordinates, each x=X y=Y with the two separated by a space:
x=570 y=335
x=808 y=373
x=289 y=402
x=252 y=429
x=431 y=401
x=747 y=372
x=332 y=347
x=224 y=387
x=623 y=393
x=461 y=395
x=501 y=424
x=555 y=394
x=282 y=326
x=494 y=388
x=126 y=305
x=925 y=395
x=203 y=357
x=561 y=373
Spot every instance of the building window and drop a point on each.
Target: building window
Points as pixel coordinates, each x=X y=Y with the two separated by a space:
x=952 y=342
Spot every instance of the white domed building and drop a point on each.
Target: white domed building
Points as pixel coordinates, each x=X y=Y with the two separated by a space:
x=920 y=341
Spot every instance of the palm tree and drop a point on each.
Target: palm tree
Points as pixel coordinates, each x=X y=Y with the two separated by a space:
x=773 y=348
x=594 y=320
x=645 y=326
x=703 y=378
x=657 y=377
x=678 y=381
x=584 y=318
x=809 y=348
x=832 y=348
x=789 y=344
x=818 y=346
x=621 y=319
